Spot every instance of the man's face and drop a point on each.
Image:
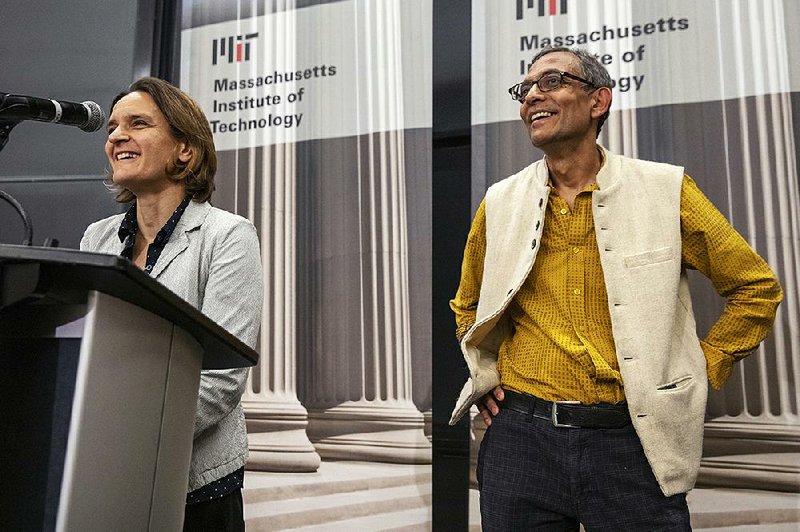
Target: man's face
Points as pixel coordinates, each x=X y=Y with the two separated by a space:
x=562 y=115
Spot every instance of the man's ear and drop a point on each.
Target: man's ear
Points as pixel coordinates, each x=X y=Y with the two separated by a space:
x=601 y=101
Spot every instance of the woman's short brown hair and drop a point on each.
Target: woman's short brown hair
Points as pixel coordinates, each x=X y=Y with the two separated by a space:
x=188 y=124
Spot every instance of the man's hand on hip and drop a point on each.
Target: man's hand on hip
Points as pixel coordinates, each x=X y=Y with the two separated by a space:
x=488 y=404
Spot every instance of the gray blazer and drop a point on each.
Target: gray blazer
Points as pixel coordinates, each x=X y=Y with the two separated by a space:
x=212 y=260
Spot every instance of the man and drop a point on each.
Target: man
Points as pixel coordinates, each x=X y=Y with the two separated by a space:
x=574 y=300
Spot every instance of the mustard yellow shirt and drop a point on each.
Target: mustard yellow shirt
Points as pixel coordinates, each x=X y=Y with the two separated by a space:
x=562 y=347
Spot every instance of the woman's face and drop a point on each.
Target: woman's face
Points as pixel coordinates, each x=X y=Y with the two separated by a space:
x=140 y=146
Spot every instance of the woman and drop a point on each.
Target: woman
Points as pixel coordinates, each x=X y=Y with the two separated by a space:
x=162 y=161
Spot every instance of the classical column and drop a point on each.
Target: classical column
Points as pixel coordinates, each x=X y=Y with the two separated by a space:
x=419 y=209
x=754 y=438
x=354 y=333
x=357 y=375
x=619 y=133
x=276 y=421
x=259 y=183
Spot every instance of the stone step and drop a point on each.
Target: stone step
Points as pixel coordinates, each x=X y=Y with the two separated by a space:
x=758 y=510
x=332 y=477
x=414 y=520
x=341 y=495
x=328 y=509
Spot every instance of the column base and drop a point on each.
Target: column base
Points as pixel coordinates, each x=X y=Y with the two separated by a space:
x=731 y=436
x=751 y=453
x=775 y=472
x=377 y=431
x=428 y=417
x=276 y=435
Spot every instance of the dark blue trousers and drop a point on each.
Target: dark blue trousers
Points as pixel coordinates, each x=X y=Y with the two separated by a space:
x=534 y=476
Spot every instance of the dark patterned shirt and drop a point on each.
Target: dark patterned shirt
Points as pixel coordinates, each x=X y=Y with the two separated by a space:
x=129 y=228
x=218 y=488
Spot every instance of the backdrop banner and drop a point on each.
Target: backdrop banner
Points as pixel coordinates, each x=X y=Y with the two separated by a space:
x=309 y=73
x=658 y=53
x=321 y=115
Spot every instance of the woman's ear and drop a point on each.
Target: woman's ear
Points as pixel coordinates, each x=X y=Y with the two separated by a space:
x=185 y=152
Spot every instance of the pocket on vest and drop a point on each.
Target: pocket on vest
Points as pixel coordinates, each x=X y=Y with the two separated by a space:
x=648 y=257
x=675 y=384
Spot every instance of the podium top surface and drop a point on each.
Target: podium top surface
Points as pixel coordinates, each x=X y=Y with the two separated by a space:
x=66 y=276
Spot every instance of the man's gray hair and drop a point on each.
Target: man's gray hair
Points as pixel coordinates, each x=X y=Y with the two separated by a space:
x=591 y=70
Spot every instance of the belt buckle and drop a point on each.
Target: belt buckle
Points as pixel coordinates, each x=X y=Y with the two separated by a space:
x=554 y=414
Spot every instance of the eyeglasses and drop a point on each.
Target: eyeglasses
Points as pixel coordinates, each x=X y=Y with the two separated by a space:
x=548 y=82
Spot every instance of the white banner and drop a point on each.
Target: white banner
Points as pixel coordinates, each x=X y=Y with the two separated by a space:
x=657 y=52
x=312 y=73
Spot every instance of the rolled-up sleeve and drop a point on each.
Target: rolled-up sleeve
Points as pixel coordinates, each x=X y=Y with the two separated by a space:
x=713 y=247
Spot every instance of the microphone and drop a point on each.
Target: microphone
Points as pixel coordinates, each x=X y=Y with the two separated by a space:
x=87 y=115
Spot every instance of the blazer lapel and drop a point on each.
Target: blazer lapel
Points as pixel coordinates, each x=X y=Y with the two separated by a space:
x=193 y=217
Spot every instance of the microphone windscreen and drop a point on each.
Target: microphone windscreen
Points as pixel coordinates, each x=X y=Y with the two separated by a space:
x=96 y=117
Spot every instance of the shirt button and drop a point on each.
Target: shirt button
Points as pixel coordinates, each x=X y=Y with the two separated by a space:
x=577 y=291
x=576 y=249
x=563 y=211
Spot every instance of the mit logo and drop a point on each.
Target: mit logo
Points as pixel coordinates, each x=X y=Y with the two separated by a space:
x=543 y=7
x=234 y=48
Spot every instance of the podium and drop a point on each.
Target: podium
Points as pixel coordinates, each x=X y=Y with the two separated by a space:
x=99 y=377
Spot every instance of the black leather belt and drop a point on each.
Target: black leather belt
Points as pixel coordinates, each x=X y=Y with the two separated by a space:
x=569 y=414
